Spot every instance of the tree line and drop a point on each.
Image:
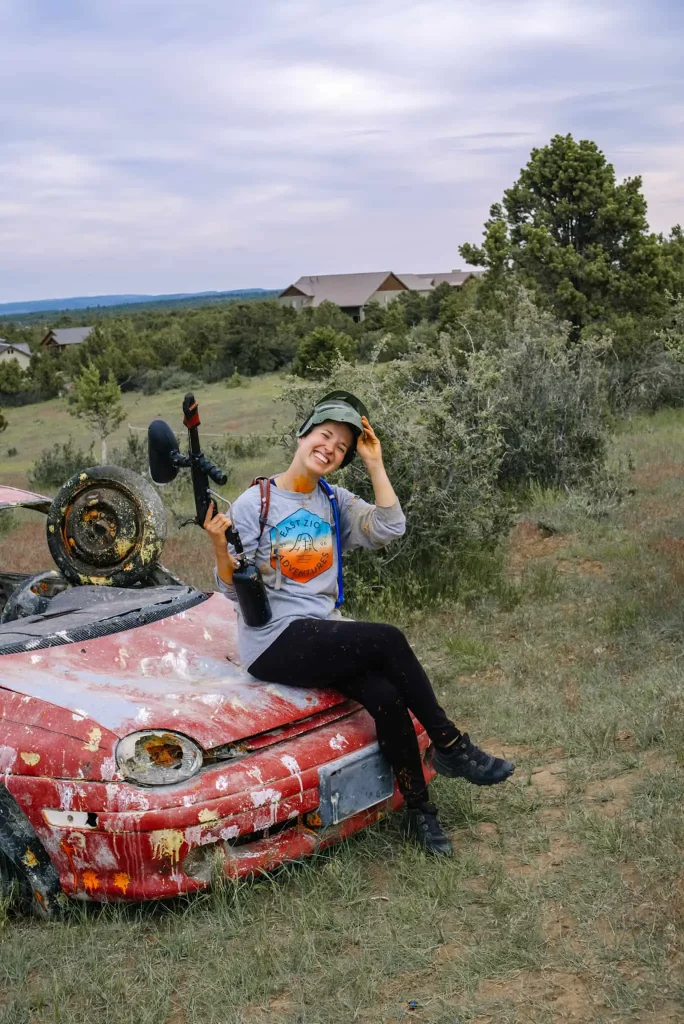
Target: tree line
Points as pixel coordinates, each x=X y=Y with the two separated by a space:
x=567 y=233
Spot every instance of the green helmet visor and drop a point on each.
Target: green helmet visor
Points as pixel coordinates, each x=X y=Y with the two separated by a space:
x=340 y=407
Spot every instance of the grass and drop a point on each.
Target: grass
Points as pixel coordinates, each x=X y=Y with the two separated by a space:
x=250 y=409
x=565 y=901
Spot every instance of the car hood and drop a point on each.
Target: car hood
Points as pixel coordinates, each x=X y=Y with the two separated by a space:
x=178 y=673
x=14 y=497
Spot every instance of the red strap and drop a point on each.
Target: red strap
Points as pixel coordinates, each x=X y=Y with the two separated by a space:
x=265 y=499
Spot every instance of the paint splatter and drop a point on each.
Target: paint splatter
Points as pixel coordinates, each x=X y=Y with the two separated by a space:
x=339 y=742
x=30 y=859
x=121 y=881
x=94 y=737
x=166 y=844
x=206 y=814
x=90 y=881
x=29 y=757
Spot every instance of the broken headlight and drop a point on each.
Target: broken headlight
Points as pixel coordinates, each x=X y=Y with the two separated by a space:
x=155 y=757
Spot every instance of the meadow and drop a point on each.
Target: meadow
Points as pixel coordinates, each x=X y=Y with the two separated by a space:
x=565 y=900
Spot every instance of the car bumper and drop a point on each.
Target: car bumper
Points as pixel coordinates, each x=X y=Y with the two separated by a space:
x=234 y=818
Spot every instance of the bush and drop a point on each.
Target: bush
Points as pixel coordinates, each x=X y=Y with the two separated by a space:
x=55 y=465
x=318 y=352
x=168 y=378
x=133 y=455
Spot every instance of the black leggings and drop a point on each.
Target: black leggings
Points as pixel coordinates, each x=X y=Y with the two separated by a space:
x=371 y=663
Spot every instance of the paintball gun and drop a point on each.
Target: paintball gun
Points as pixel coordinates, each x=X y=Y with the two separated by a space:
x=165 y=461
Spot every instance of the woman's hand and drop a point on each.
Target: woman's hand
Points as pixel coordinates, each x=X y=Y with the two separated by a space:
x=368 y=446
x=216 y=526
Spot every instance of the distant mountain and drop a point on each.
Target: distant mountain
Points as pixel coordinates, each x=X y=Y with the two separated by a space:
x=95 y=301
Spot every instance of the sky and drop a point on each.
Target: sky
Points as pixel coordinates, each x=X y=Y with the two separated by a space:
x=160 y=146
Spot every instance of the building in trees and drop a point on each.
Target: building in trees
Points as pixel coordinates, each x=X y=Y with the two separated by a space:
x=352 y=292
x=15 y=350
x=61 y=337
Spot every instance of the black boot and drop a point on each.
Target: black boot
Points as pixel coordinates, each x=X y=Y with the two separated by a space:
x=463 y=760
x=422 y=824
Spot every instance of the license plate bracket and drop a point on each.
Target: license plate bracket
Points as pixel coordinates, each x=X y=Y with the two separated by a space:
x=353 y=783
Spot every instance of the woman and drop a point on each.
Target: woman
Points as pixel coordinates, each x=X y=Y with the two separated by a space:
x=307 y=642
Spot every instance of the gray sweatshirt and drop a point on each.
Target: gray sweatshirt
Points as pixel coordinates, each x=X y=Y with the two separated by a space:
x=297 y=553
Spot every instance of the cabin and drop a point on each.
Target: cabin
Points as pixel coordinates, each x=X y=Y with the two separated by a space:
x=61 y=337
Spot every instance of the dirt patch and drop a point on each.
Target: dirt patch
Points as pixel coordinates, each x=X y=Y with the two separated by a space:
x=561 y=849
x=550 y=779
x=611 y=797
x=528 y=541
x=486 y=830
x=510 y=751
x=490 y=677
x=657 y=473
x=559 y=926
x=583 y=566
x=566 y=995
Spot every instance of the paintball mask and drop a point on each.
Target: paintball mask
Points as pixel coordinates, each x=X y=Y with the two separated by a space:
x=341 y=407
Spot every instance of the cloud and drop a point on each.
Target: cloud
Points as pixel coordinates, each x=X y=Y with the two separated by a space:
x=156 y=145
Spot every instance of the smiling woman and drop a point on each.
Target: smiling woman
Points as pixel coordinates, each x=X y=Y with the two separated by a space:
x=294 y=528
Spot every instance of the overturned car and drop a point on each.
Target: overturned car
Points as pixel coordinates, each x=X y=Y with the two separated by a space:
x=137 y=759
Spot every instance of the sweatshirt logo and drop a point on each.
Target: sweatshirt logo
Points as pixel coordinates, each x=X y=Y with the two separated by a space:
x=303 y=544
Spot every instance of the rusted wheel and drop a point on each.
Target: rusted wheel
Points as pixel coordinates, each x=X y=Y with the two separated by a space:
x=106 y=526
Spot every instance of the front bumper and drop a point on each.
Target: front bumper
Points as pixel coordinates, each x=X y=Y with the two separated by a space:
x=234 y=818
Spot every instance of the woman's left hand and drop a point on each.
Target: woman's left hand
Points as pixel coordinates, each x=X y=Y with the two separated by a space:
x=368 y=446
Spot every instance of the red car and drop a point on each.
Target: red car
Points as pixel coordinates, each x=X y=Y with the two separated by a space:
x=137 y=759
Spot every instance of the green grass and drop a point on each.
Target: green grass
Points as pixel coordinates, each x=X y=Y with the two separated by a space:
x=565 y=900
x=250 y=409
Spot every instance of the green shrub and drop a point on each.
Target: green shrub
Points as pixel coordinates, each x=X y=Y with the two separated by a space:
x=55 y=465
x=133 y=455
x=318 y=352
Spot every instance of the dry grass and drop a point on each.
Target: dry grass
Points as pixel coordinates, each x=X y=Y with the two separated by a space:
x=565 y=901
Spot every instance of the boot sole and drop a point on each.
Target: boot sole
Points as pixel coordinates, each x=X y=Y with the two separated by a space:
x=451 y=774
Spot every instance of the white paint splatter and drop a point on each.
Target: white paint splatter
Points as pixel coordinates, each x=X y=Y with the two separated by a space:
x=108 y=770
x=229 y=832
x=339 y=742
x=222 y=784
x=7 y=758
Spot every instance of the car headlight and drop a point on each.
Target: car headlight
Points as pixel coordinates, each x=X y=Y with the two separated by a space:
x=154 y=757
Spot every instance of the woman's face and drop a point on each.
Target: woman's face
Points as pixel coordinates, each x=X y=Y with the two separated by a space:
x=323 y=449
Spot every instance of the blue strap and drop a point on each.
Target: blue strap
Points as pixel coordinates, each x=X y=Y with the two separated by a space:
x=336 y=516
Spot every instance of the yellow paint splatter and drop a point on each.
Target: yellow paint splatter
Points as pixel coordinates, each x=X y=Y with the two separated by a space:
x=122 y=881
x=90 y=881
x=94 y=737
x=206 y=814
x=29 y=757
x=166 y=843
x=30 y=859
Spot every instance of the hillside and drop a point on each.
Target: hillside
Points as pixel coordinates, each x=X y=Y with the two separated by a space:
x=44 y=310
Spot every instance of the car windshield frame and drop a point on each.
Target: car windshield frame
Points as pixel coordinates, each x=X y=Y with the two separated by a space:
x=74 y=621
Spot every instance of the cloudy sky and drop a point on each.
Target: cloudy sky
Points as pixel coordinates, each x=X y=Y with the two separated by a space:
x=185 y=145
